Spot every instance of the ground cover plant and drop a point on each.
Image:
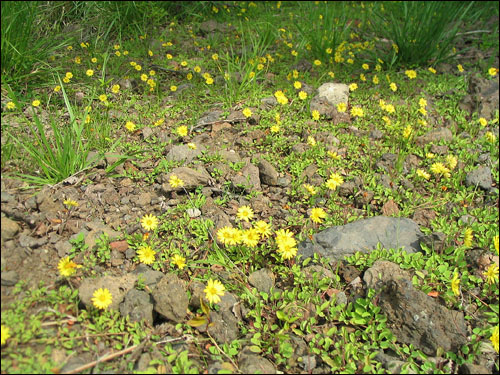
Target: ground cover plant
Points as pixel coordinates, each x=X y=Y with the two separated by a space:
x=167 y=167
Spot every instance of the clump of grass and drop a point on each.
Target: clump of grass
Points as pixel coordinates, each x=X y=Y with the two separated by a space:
x=421 y=33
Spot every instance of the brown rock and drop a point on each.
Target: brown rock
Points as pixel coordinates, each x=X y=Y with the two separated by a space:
x=390 y=208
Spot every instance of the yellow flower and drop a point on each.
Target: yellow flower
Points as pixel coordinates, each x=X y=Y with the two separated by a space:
x=146 y=254
x=275 y=128
x=56 y=89
x=297 y=85
x=191 y=145
x=67 y=267
x=422 y=102
x=411 y=74
x=197 y=69
x=175 y=181
x=451 y=161
x=390 y=108
x=407 y=132
x=260 y=66
x=102 y=298
x=331 y=74
x=365 y=66
x=179 y=261
x=350 y=61
x=262 y=228
x=209 y=81
x=432 y=70
x=357 y=112
x=393 y=86
x=115 y=89
x=250 y=237
x=295 y=74
x=103 y=97
x=362 y=77
x=495 y=243
x=89 y=72
x=69 y=75
x=494 y=338
x=244 y=213
x=144 y=77
x=213 y=290
x=138 y=67
x=460 y=68
x=423 y=174
x=493 y=72
x=317 y=214
x=468 y=237
x=150 y=53
x=215 y=57
x=93 y=59
x=149 y=222
x=317 y=62
x=247 y=112
x=35 y=103
x=430 y=155
x=78 y=60
x=173 y=88
x=5 y=334
x=341 y=107
x=455 y=284
x=286 y=245
x=329 y=50
x=375 y=80
x=334 y=181
x=315 y=115
x=182 y=130
x=70 y=203
x=118 y=53
x=491 y=274
x=439 y=169
x=11 y=105
x=189 y=76
x=490 y=137
x=311 y=141
x=483 y=121
x=333 y=155
x=130 y=126
x=310 y=189
x=353 y=87
x=302 y=95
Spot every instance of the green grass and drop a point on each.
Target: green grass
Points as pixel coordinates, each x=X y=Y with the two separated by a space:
x=251 y=60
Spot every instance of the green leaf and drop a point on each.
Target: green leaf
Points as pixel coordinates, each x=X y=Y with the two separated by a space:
x=198 y=321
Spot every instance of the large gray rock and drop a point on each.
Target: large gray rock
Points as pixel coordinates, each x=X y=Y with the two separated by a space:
x=413 y=316
x=479 y=177
x=192 y=179
x=182 y=153
x=440 y=134
x=363 y=235
x=335 y=93
x=118 y=286
x=138 y=306
x=268 y=174
x=170 y=298
x=9 y=228
x=247 y=179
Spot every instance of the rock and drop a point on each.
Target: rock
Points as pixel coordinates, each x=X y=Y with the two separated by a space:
x=6 y=197
x=262 y=279
x=482 y=97
x=363 y=235
x=376 y=134
x=193 y=212
x=94 y=231
x=182 y=153
x=481 y=177
x=9 y=228
x=209 y=117
x=414 y=317
x=120 y=246
x=192 y=179
x=335 y=93
x=9 y=278
x=31 y=242
x=423 y=216
x=117 y=285
x=141 y=200
x=470 y=368
x=170 y=298
x=138 y=305
x=435 y=241
x=440 y=134
x=268 y=103
x=328 y=110
x=247 y=179
x=149 y=276
x=224 y=327
x=390 y=208
x=147 y=132
x=268 y=174
x=251 y=363
x=317 y=271
x=63 y=248
x=302 y=66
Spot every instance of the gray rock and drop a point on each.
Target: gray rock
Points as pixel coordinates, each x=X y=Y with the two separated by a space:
x=413 y=316
x=148 y=275
x=230 y=155
x=262 y=279
x=63 y=248
x=147 y=132
x=31 y=242
x=363 y=235
x=223 y=327
x=209 y=117
x=141 y=200
x=182 y=153
x=481 y=177
x=247 y=179
x=9 y=228
x=94 y=230
x=376 y=134
x=482 y=97
x=251 y=363
x=138 y=306
x=435 y=241
x=269 y=102
x=268 y=174
x=440 y=134
x=118 y=286
x=170 y=298
x=6 y=197
x=335 y=93
x=9 y=278
x=193 y=212
x=470 y=368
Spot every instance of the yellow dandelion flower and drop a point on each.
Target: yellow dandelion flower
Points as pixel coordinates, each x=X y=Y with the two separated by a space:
x=263 y=228
x=334 y=181
x=393 y=86
x=89 y=72
x=70 y=203
x=247 y=112
x=432 y=70
x=103 y=97
x=451 y=161
x=245 y=213
x=411 y=74
x=250 y=237
x=130 y=126
x=455 y=284
x=315 y=115
x=146 y=254
x=493 y=72
x=494 y=338
x=173 y=88
x=275 y=129
x=115 y=89
x=357 y=112
x=495 y=243
x=297 y=85
x=491 y=274
x=483 y=121
x=341 y=107
x=182 y=131
x=490 y=137
x=214 y=291
x=102 y=298
x=353 y=86
x=365 y=66
x=11 y=105
x=35 y=103
x=460 y=68
x=302 y=95
x=375 y=80
x=179 y=261
x=67 y=267
x=317 y=214
x=423 y=174
x=5 y=334
x=317 y=62
x=175 y=181
x=149 y=222
x=468 y=237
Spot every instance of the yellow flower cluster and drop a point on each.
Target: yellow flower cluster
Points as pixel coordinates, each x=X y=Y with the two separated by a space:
x=281 y=97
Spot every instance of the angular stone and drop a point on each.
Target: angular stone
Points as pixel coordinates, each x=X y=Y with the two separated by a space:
x=118 y=286
x=182 y=153
x=268 y=174
x=137 y=305
x=170 y=298
x=363 y=235
x=413 y=316
x=192 y=179
x=262 y=279
x=440 y=134
x=335 y=93
x=481 y=177
x=247 y=179
x=9 y=228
